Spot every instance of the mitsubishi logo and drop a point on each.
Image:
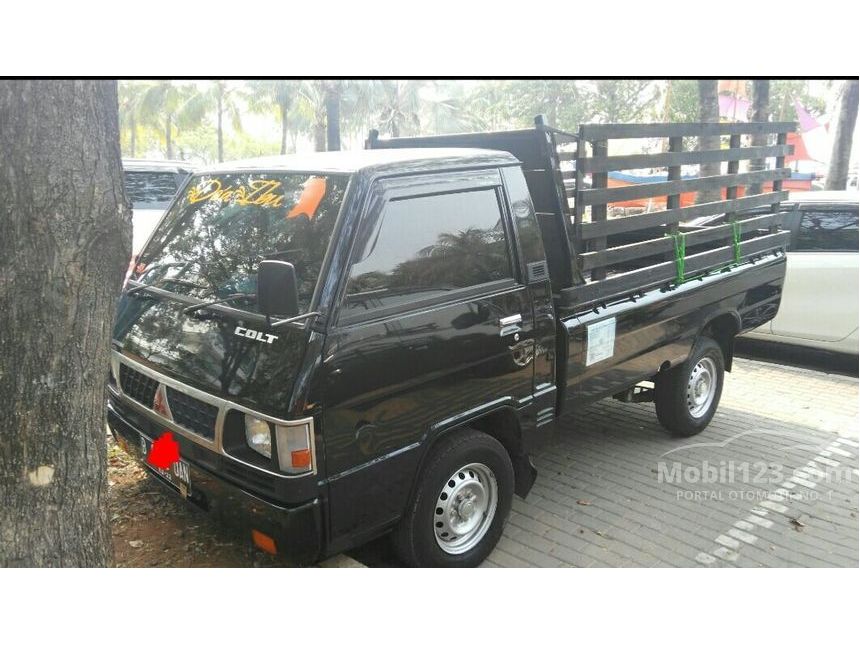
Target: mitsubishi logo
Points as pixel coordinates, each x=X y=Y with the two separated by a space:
x=159 y=403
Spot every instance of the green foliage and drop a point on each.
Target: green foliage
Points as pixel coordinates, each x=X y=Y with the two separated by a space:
x=180 y=118
x=784 y=93
x=682 y=105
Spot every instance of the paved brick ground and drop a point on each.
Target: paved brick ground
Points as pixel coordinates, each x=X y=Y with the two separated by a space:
x=607 y=494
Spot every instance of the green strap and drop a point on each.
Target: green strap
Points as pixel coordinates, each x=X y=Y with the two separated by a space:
x=736 y=241
x=680 y=255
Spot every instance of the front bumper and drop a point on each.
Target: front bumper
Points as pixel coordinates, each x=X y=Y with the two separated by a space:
x=296 y=530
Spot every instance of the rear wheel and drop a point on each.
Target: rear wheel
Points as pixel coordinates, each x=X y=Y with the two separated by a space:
x=462 y=501
x=687 y=396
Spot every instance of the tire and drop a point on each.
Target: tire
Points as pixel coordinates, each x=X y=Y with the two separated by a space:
x=687 y=396
x=461 y=503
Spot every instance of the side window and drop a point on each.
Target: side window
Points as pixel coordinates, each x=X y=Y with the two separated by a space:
x=827 y=231
x=425 y=246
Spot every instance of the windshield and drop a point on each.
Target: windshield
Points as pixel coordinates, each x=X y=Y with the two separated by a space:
x=211 y=242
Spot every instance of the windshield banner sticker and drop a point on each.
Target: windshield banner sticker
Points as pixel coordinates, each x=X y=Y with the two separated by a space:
x=258 y=192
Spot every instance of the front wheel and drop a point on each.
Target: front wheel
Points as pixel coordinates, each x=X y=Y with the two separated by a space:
x=461 y=503
x=687 y=396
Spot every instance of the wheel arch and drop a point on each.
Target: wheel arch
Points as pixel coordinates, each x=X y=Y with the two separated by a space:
x=503 y=423
x=723 y=328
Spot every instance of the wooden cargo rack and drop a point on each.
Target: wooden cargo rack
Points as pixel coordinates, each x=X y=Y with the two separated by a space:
x=619 y=256
x=594 y=258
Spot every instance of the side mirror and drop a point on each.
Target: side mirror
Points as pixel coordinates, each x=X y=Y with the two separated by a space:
x=277 y=289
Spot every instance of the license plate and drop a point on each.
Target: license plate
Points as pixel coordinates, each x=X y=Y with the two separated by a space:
x=178 y=475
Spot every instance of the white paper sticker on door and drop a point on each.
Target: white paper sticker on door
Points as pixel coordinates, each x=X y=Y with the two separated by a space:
x=601 y=341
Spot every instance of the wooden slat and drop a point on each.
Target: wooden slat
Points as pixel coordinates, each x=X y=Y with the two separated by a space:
x=620 y=284
x=665 y=159
x=656 y=246
x=780 y=163
x=732 y=169
x=676 y=145
x=625 y=283
x=594 y=131
x=589 y=230
x=661 y=188
x=724 y=231
x=625 y=253
x=711 y=259
x=598 y=211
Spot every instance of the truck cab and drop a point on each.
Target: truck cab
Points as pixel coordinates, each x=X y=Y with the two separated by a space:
x=345 y=344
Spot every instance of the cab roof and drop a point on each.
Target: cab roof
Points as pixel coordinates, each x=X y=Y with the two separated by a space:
x=386 y=160
x=157 y=165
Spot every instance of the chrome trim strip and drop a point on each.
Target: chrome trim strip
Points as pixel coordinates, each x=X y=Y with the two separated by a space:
x=223 y=405
x=510 y=320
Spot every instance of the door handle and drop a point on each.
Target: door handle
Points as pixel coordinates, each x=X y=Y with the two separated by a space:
x=516 y=319
x=510 y=325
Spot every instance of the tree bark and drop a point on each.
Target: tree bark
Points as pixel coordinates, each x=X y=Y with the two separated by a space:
x=332 y=118
x=709 y=112
x=319 y=137
x=284 y=128
x=843 y=136
x=760 y=113
x=65 y=242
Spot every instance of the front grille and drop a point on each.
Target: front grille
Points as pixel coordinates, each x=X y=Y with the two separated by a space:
x=191 y=413
x=138 y=386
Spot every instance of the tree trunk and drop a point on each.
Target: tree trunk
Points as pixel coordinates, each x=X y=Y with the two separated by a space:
x=843 y=136
x=760 y=104
x=319 y=137
x=284 y=128
x=168 y=138
x=332 y=118
x=220 y=126
x=65 y=242
x=709 y=112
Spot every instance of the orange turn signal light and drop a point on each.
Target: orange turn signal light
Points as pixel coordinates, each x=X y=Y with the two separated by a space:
x=300 y=458
x=263 y=542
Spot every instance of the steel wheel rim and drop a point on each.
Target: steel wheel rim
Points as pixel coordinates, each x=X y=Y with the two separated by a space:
x=465 y=508
x=701 y=387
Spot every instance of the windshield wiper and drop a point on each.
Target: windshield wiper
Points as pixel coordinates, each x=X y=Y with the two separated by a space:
x=209 y=303
x=144 y=287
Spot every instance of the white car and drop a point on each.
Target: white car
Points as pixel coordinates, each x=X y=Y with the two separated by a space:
x=819 y=305
x=150 y=185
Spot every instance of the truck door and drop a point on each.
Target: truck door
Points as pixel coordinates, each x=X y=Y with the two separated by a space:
x=434 y=322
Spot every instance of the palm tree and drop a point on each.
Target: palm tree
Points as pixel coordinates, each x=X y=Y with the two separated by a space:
x=398 y=104
x=278 y=95
x=332 y=106
x=837 y=174
x=312 y=100
x=709 y=112
x=164 y=106
x=130 y=100
x=760 y=109
x=221 y=97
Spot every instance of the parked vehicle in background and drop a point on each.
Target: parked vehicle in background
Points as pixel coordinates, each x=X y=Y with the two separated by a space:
x=346 y=344
x=820 y=297
x=150 y=185
x=819 y=307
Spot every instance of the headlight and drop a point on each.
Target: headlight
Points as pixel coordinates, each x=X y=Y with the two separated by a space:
x=295 y=450
x=258 y=435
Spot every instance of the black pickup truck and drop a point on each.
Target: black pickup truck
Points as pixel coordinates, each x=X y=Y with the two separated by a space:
x=346 y=344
